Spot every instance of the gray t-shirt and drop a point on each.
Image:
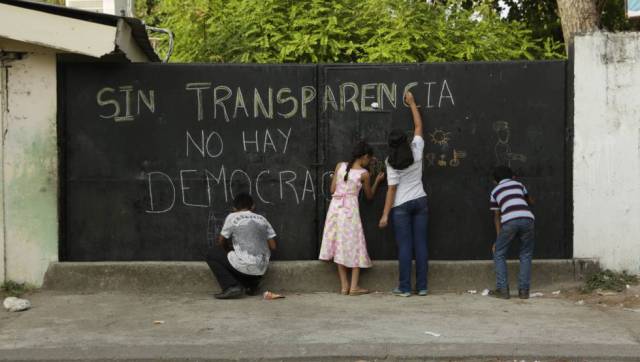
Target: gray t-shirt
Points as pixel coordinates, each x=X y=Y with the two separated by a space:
x=249 y=233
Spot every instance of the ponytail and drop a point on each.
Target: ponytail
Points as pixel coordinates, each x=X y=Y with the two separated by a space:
x=400 y=155
x=349 y=164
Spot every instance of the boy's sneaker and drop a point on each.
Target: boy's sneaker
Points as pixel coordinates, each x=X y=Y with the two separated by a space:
x=230 y=293
x=523 y=293
x=500 y=293
x=399 y=293
x=422 y=292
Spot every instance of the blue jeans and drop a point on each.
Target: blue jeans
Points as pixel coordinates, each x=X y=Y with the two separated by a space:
x=410 y=227
x=524 y=229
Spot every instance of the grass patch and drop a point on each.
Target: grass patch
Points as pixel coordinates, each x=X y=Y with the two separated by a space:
x=609 y=280
x=15 y=289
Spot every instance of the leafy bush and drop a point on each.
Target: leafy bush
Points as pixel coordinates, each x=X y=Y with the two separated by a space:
x=319 y=31
x=15 y=289
x=609 y=280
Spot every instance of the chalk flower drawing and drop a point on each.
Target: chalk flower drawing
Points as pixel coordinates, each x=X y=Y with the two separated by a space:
x=442 y=162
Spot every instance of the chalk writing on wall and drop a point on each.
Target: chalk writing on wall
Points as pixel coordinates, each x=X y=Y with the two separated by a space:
x=502 y=149
x=219 y=101
x=204 y=187
x=120 y=100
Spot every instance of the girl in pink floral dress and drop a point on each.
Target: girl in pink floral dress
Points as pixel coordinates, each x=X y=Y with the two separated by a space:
x=343 y=237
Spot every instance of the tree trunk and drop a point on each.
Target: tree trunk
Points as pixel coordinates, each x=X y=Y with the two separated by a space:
x=577 y=16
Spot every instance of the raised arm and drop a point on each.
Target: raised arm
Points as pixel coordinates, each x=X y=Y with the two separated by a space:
x=417 y=118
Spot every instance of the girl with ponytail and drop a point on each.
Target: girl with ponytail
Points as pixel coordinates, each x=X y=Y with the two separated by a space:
x=406 y=203
x=343 y=238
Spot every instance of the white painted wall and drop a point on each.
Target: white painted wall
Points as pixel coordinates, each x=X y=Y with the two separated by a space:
x=59 y=32
x=113 y=7
x=3 y=111
x=30 y=168
x=606 y=175
x=28 y=119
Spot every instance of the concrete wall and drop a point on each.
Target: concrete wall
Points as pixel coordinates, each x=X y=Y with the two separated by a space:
x=606 y=181
x=3 y=111
x=30 y=163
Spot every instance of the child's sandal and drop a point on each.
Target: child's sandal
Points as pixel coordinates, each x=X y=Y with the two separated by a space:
x=359 y=291
x=344 y=292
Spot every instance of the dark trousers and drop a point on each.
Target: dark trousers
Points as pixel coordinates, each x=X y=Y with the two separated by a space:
x=525 y=230
x=225 y=273
x=410 y=228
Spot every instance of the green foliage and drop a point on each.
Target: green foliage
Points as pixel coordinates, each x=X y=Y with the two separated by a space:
x=320 y=31
x=541 y=16
x=15 y=289
x=614 y=18
x=609 y=280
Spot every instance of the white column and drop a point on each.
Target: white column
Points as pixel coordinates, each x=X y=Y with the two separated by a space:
x=3 y=110
x=606 y=160
x=30 y=169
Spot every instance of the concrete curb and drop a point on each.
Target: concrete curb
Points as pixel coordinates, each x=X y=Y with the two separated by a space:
x=299 y=276
x=329 y=352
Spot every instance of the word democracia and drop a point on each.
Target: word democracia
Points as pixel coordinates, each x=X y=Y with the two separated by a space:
x=205 y=188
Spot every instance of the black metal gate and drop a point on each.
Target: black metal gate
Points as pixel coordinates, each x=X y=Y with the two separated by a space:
x=476 y=116
x=153 y=154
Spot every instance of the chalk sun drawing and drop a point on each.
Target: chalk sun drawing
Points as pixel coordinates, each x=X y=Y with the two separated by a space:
x=440 y=137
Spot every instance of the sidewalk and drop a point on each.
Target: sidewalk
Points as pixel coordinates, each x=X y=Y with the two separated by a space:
x=322 y=326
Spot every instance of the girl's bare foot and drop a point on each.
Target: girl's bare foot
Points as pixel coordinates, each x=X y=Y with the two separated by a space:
x=344 y=291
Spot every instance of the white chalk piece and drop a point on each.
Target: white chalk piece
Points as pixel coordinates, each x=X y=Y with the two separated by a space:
x=536 y=295
x=557 y=292
x=375 y=105
x=13 y=304
x=158 y=322
x=434 y=334
x=580 y=302
x=606 y=294
x=485 y=292
x=472 y=291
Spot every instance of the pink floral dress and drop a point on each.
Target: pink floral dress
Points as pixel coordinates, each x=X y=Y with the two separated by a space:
x=343 y=237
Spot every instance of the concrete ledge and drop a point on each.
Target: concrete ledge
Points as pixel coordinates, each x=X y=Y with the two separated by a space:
x=470 y=352
x=299 y=276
